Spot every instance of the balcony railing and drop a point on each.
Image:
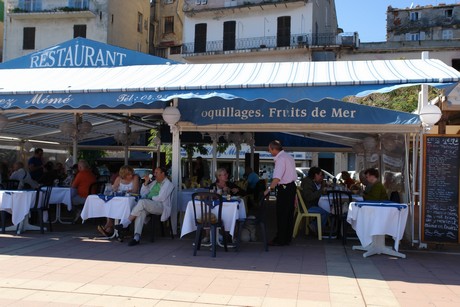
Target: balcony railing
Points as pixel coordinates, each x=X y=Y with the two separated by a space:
x=49 y=6
x=294 y=41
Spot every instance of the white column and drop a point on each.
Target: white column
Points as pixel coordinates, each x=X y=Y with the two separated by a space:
x=175 y=173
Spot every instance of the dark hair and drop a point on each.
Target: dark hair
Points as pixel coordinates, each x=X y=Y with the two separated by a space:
x=38 y=150
x=372 y=171
x=276 y=145
x=313 y=171
x=49 y=166
x=163 y=169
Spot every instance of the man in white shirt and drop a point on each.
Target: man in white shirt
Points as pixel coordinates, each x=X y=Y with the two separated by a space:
x=155 y=200
x=19 y=173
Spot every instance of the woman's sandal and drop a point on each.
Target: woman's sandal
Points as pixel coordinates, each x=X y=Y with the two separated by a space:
x=104 y=232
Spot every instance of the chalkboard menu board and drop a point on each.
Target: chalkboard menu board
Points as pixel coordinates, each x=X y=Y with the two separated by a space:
x=441 y=182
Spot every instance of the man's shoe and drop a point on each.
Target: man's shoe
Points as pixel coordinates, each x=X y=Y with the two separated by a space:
x=120 y=227
x=133 y=242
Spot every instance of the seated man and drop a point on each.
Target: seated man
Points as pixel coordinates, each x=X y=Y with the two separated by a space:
x=374 y=188
x=312 y=188
x=155 y=200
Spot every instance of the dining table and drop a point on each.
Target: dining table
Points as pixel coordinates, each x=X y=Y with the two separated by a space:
x=115 y=207
x=372 y=220
x=18 y=203
x=324 y=202
x=61 y=195
x=232 y=211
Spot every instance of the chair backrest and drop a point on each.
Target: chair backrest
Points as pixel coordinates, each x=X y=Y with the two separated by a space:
x=103 y=178
x=97 y=187
x=10 y=184
x=203 y=204
x=42 y=198
x=300 y=203
x=337 y=199
x=261 y=209
x=394 y=197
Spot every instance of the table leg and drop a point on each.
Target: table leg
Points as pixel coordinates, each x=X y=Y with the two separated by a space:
x=58 y=216
x=23 y=226
x=378 y=247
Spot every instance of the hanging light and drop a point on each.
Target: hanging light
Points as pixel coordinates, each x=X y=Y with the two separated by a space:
x=171 y=115
x=430 y=114
x=369 y=144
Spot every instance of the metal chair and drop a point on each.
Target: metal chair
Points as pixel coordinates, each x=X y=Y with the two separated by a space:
x=41 y=205
x=10 y=184
x=97 y=187
x=258 y=221
x=338 y=199
x=302 y=213
x=204 y=203
x=154 y=219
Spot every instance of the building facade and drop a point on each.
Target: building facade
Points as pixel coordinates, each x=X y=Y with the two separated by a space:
x=419 y=23
x=253 y=31
x=33 y=25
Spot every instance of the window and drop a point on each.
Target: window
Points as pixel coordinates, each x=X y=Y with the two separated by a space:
x=448 y=13
x=202 y=2
x=79 y=4
x=169 y=25
x=200 y=37
x=447 y=34
x=79 y=31
x=229 y=35
x=30 y=5
x=414 y=16
x=140 y=22
x=168 y=1
x=28 y=40
x=414 y=36
x=283 y=38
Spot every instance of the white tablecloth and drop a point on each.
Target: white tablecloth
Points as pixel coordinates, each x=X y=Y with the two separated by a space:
x=61 y=195
x=18 y=203
x=118 y=207
x=231 y=212
x=324 y=202
x=185 y=195
x=371 y=219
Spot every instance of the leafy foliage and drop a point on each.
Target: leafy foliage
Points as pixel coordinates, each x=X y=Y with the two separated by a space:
x=403 y=99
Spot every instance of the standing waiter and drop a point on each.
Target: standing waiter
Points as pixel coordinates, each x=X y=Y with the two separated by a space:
x=284 y=176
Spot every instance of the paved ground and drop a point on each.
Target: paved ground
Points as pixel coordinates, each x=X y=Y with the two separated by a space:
x=68 y=267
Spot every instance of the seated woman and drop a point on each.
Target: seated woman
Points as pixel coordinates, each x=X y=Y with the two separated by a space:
x=126 y=182
x=347 y=180
x=374 y=188
x=227 y=187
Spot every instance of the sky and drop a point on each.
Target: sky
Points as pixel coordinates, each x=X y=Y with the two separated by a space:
x=368 y=17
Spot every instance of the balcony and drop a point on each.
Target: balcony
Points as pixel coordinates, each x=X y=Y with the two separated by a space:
x=267 y=42
x=51 y=9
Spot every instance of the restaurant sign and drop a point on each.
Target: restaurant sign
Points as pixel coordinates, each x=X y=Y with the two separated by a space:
x=326 y=111
x=81 y=52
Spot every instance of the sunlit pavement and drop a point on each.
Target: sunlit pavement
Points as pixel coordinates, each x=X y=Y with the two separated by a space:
x=68 y=267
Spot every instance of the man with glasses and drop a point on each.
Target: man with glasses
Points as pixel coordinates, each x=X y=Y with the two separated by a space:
x=154 y=200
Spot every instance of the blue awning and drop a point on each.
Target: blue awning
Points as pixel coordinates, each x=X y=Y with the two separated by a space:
x=81 y=52
x=127 y=87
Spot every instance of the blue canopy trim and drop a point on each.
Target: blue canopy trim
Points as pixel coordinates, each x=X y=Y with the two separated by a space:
x=117 y=100
x=327 y=111
x=81 y=52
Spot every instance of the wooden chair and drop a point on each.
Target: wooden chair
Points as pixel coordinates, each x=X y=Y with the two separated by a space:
x=338 y=199
x=203 y=204
x=302 y=213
